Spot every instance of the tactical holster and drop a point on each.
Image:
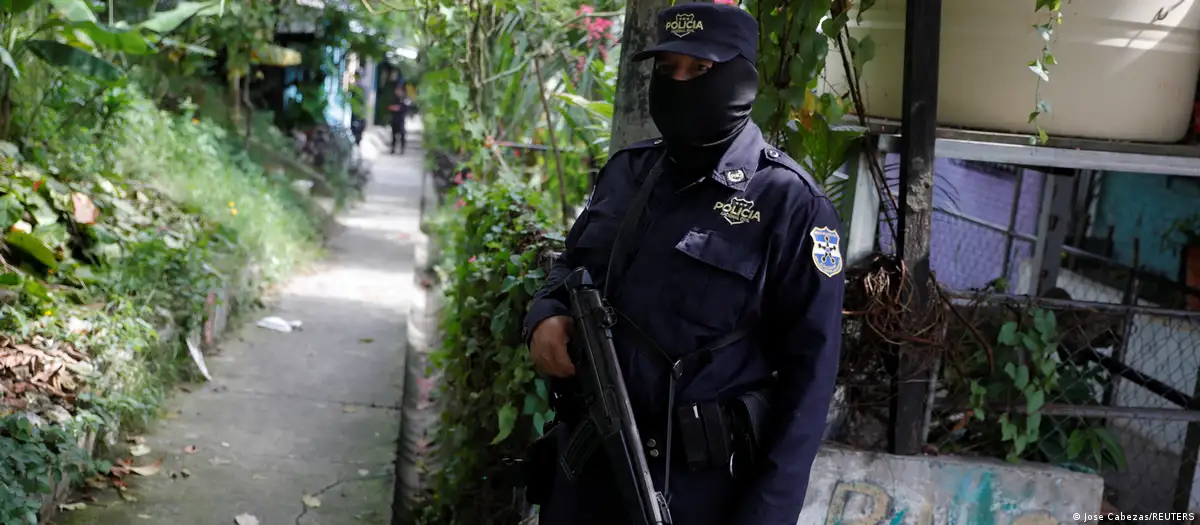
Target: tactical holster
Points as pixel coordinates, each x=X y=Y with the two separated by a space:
x=724 y=436
x=541 y=459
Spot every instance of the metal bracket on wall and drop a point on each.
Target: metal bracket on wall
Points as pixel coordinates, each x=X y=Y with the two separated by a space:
x=1053 y=224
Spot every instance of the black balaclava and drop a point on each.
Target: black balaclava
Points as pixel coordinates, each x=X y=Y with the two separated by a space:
x=699 y=118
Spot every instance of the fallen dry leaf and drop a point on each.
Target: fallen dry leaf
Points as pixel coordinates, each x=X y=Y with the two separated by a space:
x=219 y=461
x=366 y=340
x=85 y=210
x=68 y=507
x=137 y=440
x=258 y=477
x=363 y=472
x=148 y=470
x=245 y=519
x=224 y=444
x=311 y=502
x=139 y=450
x=144 y=516
x=349 y=409
x=129 y=498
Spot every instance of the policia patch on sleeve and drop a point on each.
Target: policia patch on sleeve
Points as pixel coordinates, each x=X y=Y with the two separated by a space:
x=826 y=254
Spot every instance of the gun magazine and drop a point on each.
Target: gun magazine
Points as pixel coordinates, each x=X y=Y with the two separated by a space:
x=582 y=444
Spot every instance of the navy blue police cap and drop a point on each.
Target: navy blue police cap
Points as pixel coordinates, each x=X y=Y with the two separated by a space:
x=714 y=32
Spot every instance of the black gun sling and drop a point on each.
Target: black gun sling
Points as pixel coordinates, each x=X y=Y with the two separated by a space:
x=623 y=253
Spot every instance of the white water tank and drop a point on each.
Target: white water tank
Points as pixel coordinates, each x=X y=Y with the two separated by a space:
x=1127 y=69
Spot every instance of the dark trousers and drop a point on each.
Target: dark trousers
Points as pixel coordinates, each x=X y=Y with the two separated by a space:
x=698 y=498
x=398 y=134
x=357 y=126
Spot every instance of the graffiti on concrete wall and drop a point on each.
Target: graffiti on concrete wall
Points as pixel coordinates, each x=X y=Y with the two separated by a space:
x=866 y=503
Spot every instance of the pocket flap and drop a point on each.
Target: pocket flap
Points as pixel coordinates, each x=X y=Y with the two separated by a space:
x=712 y=248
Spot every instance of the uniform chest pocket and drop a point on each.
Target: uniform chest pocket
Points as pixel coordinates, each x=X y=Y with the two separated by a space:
x=714 y=277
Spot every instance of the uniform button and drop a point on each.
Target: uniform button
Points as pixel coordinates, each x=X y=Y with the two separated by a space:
x=651 y=443
x=657 y=142
x=772 y=153
x=654 y=452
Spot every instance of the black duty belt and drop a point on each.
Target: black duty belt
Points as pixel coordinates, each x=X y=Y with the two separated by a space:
x=723 y=436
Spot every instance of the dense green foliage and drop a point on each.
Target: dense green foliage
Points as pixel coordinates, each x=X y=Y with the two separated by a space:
x=127 y=197
x=490 y=270
x=519 y=154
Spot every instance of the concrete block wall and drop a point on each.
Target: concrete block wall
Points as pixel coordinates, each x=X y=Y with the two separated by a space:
x=850 y=487
x=853 y=487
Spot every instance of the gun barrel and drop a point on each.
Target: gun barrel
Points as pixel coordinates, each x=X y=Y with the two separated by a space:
x=610 y=412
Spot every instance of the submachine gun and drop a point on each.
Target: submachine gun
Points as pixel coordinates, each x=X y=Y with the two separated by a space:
x=606 y=416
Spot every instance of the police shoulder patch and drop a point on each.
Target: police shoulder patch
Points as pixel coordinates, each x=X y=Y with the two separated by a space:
x=826 y=251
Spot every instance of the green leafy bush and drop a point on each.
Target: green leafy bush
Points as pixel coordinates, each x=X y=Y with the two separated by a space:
x=1029 y=372
x=492 y=237
x=33 y=459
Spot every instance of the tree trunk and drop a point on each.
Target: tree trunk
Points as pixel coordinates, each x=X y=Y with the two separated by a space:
x=631 y=109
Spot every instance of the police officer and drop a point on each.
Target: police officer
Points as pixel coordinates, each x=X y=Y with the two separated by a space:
x=734 y=280
x=400 y=116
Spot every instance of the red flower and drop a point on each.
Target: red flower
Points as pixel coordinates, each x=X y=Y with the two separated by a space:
x=472 y=259
x=597 y=28
x=458 y=178
x=460 y=203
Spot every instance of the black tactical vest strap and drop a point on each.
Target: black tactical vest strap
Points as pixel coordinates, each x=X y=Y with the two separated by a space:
x=622 y=255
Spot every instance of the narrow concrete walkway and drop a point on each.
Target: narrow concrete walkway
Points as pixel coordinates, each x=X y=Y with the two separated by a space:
x=309 y=413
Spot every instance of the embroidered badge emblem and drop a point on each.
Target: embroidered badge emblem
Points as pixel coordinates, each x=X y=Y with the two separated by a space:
x=684 y=24
x=826 y=254
x=738 y=211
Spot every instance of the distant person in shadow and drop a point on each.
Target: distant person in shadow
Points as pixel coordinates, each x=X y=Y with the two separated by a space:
x=358 y=108
x=399 y=115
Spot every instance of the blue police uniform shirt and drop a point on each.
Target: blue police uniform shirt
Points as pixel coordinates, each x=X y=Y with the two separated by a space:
x=753 y=245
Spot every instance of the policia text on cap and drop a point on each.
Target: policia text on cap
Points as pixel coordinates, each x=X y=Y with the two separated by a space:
x=733 y=279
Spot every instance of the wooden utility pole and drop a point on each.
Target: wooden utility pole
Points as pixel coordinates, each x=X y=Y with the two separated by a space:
x=918 y=134
x=631 y=106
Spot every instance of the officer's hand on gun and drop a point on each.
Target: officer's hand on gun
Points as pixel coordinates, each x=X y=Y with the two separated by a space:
x=548 y=346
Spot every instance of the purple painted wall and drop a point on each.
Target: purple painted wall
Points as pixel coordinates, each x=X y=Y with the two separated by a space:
x=966 y=255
